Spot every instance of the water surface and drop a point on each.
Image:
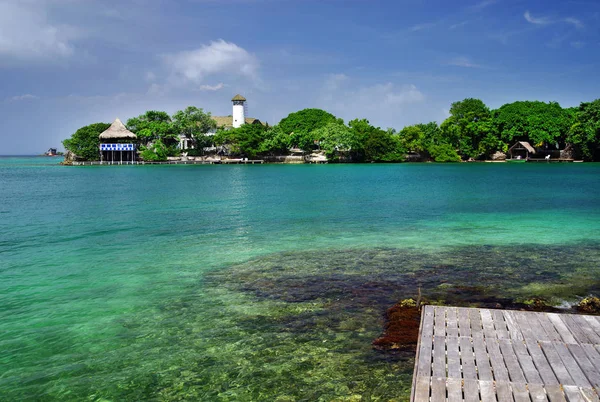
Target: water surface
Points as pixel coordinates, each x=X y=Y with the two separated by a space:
x=239 y=283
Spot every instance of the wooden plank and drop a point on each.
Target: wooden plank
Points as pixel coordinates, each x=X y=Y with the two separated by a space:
x=451 y=322
x=512 y=363
x=542 y=363
x=577 y=332
x=591 y=373
x=464 y=325
x=553 y=334
x=453 y=357
x=503 y=391
x=476 y=327
x=555 y=393
x=537 y=393
x=499 y=368
x=578 y=394
x=523 y=323
x=500 y=324
x=570 y=363
x=467 y=357
x=538 y=331
x=558 y=366
x=454 y=387
x=488 y=324
x=471 y=390
x=520 y=392
x=439 y=356
x=438 y=389
x=561 y=328
x=593 y=322
x=482 y=361
x=425 y=344
x=587 y=327
x=511 y=324
x=592 y=354
x=422 y=389
x=486 y=391
x=440 y=321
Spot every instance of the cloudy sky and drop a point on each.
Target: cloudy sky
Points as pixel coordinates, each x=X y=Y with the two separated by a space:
x=68 y=63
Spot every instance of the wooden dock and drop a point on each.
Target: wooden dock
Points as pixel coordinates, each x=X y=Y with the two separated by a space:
x=468 y=354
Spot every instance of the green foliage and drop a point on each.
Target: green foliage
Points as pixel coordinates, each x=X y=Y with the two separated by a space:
x=585 y=132
x=444 y=153
x=154 y=125
x=374 y=144
x=85 y=142
x=243 y=141
x=335 y=138
x=468 y=124
x=275 y=142
x=538 y=123
x=299 y=125
x=194 y=123
x=155 y=152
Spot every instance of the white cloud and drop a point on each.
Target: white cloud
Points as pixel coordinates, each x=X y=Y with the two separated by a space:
x=536 y=21
x=219 y=57
x=483 y=4
x=575 y=22
x=463 y=62
x=22 y=98
x=217 y=87
x=150 y=76
x=27 y=34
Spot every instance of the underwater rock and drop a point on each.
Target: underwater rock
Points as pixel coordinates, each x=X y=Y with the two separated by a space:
x=537 y=304
x=589 y=305
x=401 y=329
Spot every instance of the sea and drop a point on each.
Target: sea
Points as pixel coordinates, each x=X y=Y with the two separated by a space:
x=267 y=282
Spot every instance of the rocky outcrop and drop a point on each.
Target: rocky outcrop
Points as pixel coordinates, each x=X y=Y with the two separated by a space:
x=589 y=305
x=70 y=157
x=499 y=156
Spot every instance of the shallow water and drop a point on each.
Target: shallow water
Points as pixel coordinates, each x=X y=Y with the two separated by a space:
x=238 y=283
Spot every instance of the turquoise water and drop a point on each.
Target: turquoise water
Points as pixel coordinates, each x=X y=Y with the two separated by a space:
x=242 y=283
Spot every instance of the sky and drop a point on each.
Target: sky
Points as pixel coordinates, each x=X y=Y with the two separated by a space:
x=68 y=63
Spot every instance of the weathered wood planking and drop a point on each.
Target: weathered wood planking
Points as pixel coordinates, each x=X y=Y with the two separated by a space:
x=468 y=354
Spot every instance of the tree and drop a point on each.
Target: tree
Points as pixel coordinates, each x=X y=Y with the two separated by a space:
x=466 y=127
x=539 y=123
x=154 y=125
x=373 y=143
x=275 y=142
x=244 y=141
x=85 y=142
x=335 y=138
x=299 y=125
x=157 y=151
x=585 y=132
x=444 y=153
x=194 y=123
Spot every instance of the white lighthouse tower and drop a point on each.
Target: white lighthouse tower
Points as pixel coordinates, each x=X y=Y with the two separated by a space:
x=239 y=110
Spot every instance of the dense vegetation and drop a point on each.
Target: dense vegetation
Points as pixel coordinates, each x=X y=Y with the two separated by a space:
x=472 y=131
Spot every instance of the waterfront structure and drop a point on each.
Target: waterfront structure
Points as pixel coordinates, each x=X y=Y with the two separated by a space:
x=521 y=150
x=235 y=120
x=116 y=146
x=471 y=354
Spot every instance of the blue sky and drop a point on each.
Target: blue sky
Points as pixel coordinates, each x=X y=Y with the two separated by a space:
x=68 y=63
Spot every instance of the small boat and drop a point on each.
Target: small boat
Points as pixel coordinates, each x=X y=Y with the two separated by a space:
x=51 y=152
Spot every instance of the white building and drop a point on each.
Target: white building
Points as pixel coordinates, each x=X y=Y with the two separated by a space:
x=235 y=120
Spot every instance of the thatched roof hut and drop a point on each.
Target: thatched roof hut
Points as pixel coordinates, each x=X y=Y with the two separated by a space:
x=117 y=130
x=521 y=149
x=238 y=98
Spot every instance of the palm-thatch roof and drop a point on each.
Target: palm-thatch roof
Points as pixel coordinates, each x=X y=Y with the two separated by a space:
x=521 y=145
x=227 y=121
x=238 y=97
x=117 y=130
